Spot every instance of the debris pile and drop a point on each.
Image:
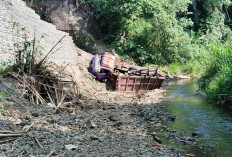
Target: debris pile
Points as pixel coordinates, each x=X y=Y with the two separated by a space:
x=52 y=86
x=42 y=82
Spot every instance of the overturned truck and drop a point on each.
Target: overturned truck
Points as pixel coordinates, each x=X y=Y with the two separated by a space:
x=124 y=77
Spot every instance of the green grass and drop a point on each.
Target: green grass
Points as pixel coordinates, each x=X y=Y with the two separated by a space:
x=1 y=96
x=192 y=67
x=2 y=109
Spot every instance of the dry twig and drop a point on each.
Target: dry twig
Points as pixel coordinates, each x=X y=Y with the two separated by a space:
x=37 y=141
x=53 y=151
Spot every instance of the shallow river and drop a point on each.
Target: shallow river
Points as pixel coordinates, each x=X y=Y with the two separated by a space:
x=194 y=114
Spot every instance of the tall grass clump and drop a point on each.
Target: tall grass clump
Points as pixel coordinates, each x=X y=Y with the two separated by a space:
x=217 y=78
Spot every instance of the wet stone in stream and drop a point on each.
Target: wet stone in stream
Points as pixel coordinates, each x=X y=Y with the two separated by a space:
x=155 y=115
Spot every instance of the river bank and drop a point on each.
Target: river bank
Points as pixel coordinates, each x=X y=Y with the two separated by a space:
x=107 y=124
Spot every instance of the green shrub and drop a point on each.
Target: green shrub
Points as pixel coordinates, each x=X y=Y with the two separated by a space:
x=25 y=51
x=85 y=38
x=5 y=66
x=217 y=79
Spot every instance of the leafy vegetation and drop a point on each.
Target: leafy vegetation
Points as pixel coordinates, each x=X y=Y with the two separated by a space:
x=217 y=79
x=2 y=109
x=160 y=32
x=83 y=37
x=1 y=95
x=147 y=30
x=25 y=51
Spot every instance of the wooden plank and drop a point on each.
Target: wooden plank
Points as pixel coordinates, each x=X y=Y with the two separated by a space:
x=135 y=79
x=148 y=82
x=127 y=82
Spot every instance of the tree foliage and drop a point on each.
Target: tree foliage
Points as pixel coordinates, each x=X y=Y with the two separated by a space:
x=149 y=31
x=160 y=32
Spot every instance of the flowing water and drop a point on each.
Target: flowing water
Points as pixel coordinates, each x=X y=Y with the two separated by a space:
x=194 y=114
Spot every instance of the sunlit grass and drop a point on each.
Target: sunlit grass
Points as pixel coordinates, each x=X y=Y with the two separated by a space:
x=191 y=67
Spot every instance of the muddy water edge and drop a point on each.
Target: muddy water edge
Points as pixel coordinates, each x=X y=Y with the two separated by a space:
x=200 y=128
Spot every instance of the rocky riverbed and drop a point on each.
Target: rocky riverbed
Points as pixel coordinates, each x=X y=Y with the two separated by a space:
x=105 y=124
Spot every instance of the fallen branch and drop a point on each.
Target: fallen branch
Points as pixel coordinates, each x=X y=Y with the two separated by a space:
x=15 y=134
x=29 y=127
x=41 y=62
x=8 y=140
x=11 y=135
x=60 y=103
x=6 y=131
x=62 y=99
x=37 y=141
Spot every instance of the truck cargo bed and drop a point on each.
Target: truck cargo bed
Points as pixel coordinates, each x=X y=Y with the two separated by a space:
x=141 y=84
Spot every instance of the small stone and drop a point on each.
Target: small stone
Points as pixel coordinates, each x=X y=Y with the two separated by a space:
x=91 y=124
x=158 y=125
x=80 y=101
x=35 y=114
x=172 y=118
x=53 y=120
x=101 y=139
x=165 y=127
x=113 y=118
x=70 y=147
x=18 y=122
x=4 y=147
x=23 y=123
x=153 y=133
x=118 y=124
x=28 y=118
x=79 y=138
x=93 y=137
x=194 y=134
x=153 y=119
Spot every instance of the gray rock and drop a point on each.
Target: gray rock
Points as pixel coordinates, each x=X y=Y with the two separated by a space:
x=194 y=134
x=101 y=139
x=91 y=124
x=113 y=118
x=93 y=137
x=35 y=114
x=118 y=124
x=158 y=125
